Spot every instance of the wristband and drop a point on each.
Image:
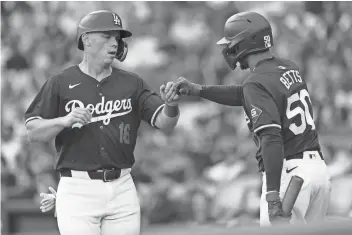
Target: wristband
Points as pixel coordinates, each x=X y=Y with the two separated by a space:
x=272 y=196
x=171 y=110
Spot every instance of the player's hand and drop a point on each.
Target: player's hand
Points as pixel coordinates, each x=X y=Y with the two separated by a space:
x=48 y=201
x=185 y=87
x=169 y=94
x=276 y=214
x=78 y=117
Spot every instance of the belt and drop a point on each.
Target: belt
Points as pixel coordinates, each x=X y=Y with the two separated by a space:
x=105 y=175
x=314 y=155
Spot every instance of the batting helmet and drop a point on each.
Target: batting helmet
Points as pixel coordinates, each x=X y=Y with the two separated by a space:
x=245 y=33
x=102 y=21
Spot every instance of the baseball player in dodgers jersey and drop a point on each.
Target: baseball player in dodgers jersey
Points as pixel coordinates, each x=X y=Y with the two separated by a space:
x=279 y=113
x=93 y=111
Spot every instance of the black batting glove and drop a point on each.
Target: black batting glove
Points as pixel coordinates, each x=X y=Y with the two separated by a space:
x=276 y=214
x=185 y=87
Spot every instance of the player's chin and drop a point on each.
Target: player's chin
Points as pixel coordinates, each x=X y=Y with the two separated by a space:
x=109 y=59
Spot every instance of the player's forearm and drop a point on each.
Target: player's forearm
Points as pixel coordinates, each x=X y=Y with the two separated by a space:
x=272 y=154
x=230 y=95
x=44 y=130
x=167 y=118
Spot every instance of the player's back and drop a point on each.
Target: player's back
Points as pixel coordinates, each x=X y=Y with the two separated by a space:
x=282 y=79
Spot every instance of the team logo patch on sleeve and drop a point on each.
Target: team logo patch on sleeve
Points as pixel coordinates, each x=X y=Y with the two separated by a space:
x=255 y=113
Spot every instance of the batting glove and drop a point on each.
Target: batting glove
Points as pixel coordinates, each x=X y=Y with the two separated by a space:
x=276 y=214
x=185 y=87
x=48 y=201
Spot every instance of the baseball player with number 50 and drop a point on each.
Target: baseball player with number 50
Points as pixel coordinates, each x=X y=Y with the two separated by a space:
x=93 y=111
x=279 y=113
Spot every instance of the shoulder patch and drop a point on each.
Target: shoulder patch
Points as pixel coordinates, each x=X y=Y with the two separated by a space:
x=255 y=113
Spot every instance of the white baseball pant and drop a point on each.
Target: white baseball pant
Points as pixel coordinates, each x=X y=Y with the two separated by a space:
x=313 y=200
x=94 y=207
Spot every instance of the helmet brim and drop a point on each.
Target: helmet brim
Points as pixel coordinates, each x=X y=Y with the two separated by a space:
x=223 y=41
x=123 y=34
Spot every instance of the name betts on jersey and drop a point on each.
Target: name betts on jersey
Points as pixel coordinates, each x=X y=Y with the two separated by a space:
x=119 y=107
x=290 y=77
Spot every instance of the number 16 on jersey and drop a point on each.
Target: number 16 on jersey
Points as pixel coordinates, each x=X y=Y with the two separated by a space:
x=124 y=133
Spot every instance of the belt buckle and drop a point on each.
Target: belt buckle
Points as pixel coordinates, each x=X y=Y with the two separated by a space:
x=104 y=175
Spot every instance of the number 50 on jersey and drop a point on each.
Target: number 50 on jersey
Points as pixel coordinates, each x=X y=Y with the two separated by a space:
x=304 y=113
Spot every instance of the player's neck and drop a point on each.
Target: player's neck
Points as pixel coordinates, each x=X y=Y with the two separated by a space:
x=254 y=59
x=94 y=68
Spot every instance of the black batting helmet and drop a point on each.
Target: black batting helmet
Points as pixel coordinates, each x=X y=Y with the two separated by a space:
x=245 y=33
x=102 y=21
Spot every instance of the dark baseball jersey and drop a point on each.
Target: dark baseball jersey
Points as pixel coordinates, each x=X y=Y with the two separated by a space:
x=119 y=102
x=276 y=95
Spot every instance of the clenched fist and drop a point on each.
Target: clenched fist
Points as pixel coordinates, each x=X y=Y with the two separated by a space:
x=276 y=214
x=78 y=117
x=185 y=87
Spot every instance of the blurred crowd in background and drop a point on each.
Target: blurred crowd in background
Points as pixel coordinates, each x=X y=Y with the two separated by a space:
x=205 y=170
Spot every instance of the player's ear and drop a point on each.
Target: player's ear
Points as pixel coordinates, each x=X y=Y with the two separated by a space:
x=85 y=40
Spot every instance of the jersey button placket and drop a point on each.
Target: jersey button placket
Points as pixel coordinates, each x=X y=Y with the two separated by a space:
x=99 y=90
x=102 y=149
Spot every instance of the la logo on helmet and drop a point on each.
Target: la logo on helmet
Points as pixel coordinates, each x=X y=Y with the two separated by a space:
x=116 y=19
x=267 y=41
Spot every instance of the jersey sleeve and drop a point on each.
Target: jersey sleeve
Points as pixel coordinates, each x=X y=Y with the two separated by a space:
x=260 y=107
x=149 y=102
x=46 y=103
x=230 y=95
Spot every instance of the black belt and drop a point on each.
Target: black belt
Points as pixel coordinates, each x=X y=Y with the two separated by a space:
x=104 y=175
x=300 y=155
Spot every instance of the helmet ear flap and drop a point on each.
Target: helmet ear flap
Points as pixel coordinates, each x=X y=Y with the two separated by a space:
x=81 y=41
x=122 y=50
x=234 y=49
x=230 y=56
